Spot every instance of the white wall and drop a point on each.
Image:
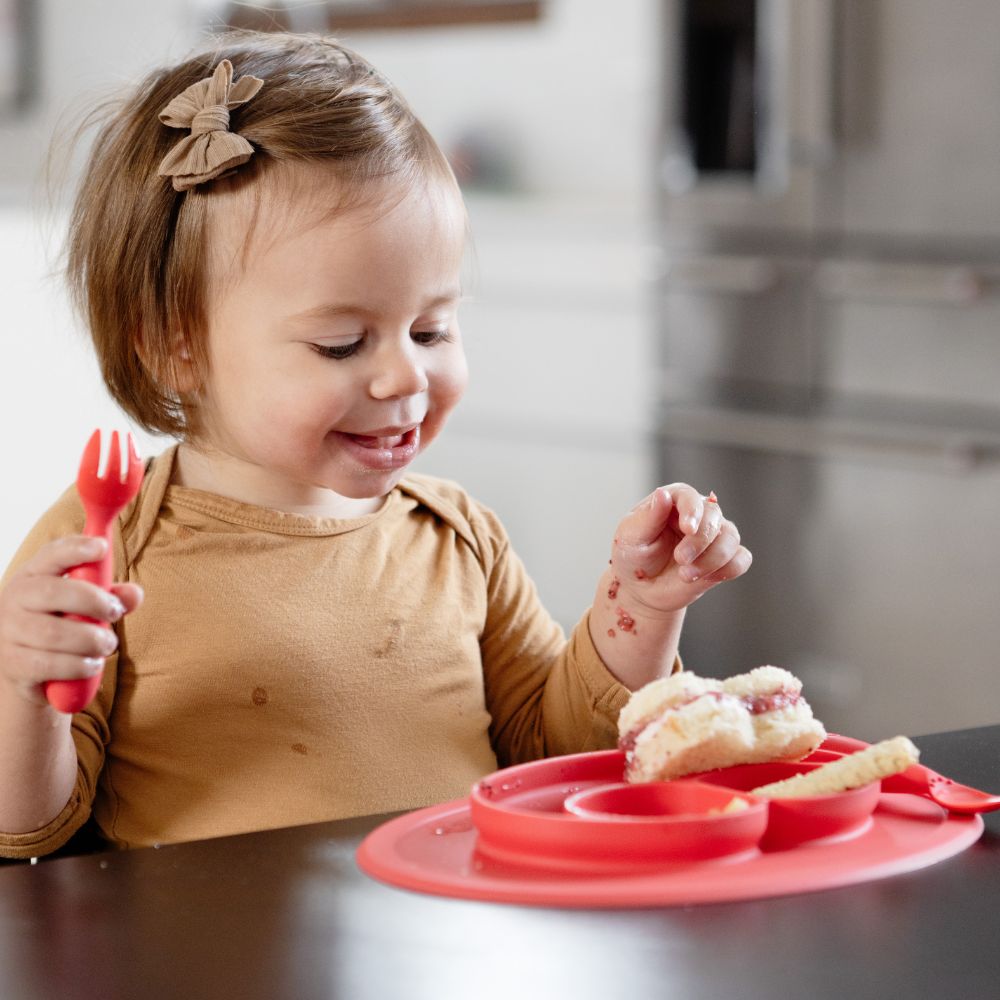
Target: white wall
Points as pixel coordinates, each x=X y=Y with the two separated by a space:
x=574 y=93
x=87 y=49
x=51 y=395
x=558 y=309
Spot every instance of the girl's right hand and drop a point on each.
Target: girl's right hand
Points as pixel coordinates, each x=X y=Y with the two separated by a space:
x=37 y=643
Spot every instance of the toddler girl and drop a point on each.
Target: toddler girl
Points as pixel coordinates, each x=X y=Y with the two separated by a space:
x=267 y=246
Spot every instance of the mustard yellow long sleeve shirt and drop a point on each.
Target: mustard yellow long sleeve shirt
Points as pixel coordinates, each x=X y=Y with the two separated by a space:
x=287 y=669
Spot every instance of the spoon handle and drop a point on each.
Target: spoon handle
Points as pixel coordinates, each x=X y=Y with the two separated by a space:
x=921 y=780
x=915 y=780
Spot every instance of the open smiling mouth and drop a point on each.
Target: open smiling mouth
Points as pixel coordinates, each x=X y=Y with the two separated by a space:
x=383 y=451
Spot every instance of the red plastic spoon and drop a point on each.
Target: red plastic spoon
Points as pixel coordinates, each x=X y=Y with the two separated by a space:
x=102 y=497
x=920 y=780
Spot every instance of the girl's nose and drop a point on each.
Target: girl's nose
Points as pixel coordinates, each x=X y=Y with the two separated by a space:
x=398 y=372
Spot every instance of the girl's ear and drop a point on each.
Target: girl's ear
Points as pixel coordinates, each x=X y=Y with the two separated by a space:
x=176 y=371
x=182 y=372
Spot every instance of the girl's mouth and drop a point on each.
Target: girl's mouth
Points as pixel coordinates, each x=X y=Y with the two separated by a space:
x=383 y=451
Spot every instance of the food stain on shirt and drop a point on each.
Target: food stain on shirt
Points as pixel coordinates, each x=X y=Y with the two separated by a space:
x=259 y=696
x=391 y=642
x=300 y=748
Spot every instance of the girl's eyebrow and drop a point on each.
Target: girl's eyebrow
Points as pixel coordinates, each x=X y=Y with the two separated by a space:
x=330 y=310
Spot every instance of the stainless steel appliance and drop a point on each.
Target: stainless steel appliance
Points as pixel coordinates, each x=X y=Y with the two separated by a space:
x=828 y=327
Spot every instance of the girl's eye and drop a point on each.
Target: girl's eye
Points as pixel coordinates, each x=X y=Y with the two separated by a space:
x=337 y=351
x=430 y=337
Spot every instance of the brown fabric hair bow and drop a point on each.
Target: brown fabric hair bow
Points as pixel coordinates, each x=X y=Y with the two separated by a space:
x=211 y=150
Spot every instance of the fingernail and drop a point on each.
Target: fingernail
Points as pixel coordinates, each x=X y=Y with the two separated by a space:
x=108 y=643
x=689 y=574
x=115 y=609
x=93 y=664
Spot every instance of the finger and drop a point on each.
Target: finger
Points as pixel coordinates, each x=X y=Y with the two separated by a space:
x=730 y=569
x=38 y=667
x=736 y=567
x=714 y=556
x=63 y=554
x=646 y=521
x=64 y=595
x=130 y=594
x=711 y=524
x=690 y=507
x=45 y=634
x=645 y=540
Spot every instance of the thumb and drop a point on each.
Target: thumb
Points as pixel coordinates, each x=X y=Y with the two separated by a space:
x=646 y=521
x=647 y=536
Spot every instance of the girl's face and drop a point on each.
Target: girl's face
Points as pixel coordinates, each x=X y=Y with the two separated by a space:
x=334 y=354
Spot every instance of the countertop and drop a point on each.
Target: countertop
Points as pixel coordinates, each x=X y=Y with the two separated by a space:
x=287 y=913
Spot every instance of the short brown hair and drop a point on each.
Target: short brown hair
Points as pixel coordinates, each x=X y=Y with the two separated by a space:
x=137 y=248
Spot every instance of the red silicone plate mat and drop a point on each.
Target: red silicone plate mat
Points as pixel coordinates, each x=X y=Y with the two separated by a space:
x=434 y=850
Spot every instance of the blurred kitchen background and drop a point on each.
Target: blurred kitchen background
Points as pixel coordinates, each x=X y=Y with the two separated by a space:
x=749 y=244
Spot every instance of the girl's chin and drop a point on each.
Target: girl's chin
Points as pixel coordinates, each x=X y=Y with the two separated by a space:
x=352 y=482
x=373 y=488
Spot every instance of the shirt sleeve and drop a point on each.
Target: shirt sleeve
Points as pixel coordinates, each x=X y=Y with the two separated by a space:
x=90 y=728
x=546 y=695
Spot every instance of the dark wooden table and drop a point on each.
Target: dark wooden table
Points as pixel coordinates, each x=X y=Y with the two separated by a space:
x=286 y=914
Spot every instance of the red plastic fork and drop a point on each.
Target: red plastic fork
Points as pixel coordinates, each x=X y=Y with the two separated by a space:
x=103 y=497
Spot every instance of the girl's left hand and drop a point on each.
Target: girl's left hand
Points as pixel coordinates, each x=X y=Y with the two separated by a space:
x=673 y=547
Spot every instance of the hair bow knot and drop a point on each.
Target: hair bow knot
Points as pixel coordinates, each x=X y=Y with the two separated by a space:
x=211 y=150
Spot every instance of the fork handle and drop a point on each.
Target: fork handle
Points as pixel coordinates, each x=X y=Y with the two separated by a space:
x=75 y=695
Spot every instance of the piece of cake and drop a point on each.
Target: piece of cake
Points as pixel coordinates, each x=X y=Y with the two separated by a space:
x=684 y=724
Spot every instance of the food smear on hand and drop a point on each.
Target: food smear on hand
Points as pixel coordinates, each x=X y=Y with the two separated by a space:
x=625 y=621
x=685 y=724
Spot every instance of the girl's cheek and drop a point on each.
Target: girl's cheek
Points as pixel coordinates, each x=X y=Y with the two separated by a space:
x=460 y=383
x=459 y=377
x=453 y=395
x=446 y=392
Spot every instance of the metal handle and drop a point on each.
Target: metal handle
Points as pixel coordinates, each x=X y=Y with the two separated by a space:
x=727 y=274
x=954 y=451
x=924 y=284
